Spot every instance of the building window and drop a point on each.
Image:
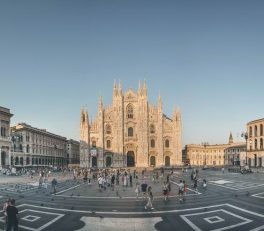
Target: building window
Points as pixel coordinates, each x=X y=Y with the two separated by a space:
x=250 y=131
x=108 y=143
x=130 y=131
x=256 y=144
x=152 y=128
x=108 y=129
x=3 y=131
x=261 y=144
x=256 y=130
x=130 y=111
x=167 y=143
x=27 y=148
x=261 y=130
x=152 y=143
x=94 y=144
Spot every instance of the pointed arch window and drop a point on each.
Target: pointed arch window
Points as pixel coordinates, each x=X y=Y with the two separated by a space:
x=152 y=143
x=130 y=131
x=108 y=129
x=108 y=144
x=167 y=143
x=130 y=112
x=152 y=128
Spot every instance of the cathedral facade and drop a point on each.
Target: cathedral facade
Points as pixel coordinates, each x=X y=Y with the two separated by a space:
x=130 y=133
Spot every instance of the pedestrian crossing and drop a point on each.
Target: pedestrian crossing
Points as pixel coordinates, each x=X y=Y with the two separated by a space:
x=234 y=185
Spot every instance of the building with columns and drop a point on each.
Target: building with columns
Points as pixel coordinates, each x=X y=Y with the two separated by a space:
x=5 y=141
x=216 y=154
x=73 y=152
x=37 y=147
x=255 y=148
x=130 y=132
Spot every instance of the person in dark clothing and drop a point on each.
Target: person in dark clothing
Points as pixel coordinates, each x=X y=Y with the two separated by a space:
x=12 y=219
x=54 y=185
x=130 y=180
x=112 y=180
x=144 y=187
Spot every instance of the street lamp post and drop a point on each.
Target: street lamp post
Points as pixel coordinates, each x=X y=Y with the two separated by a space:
x=245 y=135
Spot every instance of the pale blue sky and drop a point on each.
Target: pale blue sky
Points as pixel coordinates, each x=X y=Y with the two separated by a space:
x=207 y=57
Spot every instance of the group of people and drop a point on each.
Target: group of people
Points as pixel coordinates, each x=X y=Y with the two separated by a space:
x=10 y=215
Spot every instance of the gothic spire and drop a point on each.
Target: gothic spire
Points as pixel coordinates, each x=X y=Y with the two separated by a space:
x=100 y=103
x=231 y=138
x=160 y=102
x=145 y=91
x=120 y=88
x=139 y=88
x=115 y=88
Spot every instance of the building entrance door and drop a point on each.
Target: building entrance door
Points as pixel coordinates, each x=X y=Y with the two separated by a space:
x=94 y=162
x=3 y=158
x=130 y=159
x=108 y=161
x=167 y=161
x=153 y=161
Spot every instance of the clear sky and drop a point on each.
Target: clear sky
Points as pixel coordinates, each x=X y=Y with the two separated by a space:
x=207 y=57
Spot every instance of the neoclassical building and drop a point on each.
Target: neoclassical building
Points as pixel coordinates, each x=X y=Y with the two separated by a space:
x=5 y=141
x=130 y=133
x=216 y=154
x=255 y=148
x=37 y=147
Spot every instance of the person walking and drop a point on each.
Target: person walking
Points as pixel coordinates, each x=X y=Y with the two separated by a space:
x=181 y=191
x=131 y=180
x=150 y=199
x=137 y=190
x=144 y=187
x=165 y=191
x=54 y=185
x=5 y=205
x=12 y=216
x=100 y=183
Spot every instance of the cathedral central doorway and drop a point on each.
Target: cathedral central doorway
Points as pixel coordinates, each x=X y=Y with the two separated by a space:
x=94 y=162
x=130 y=159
